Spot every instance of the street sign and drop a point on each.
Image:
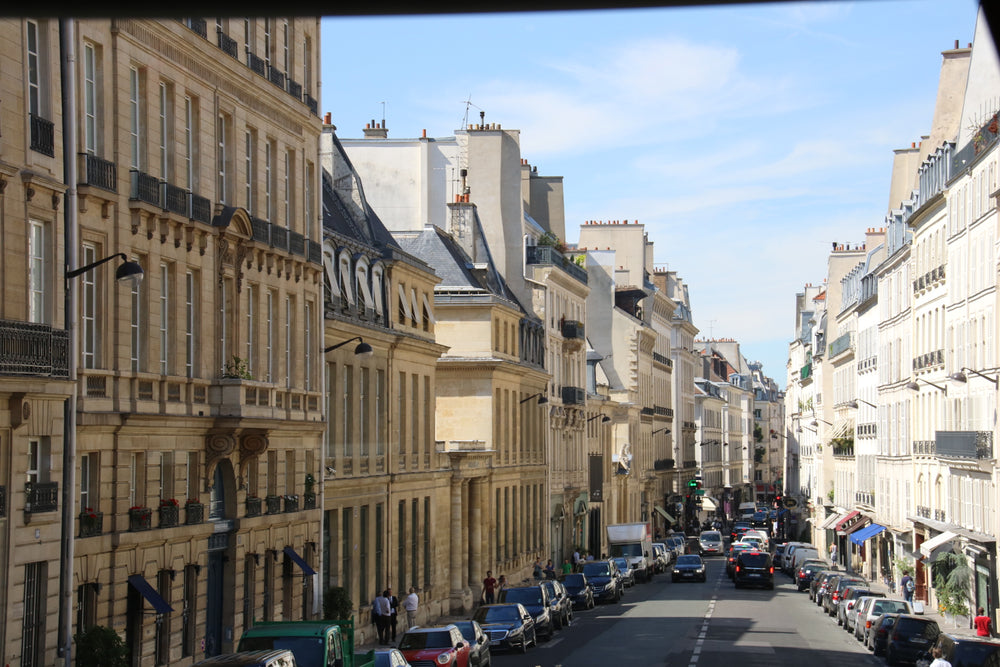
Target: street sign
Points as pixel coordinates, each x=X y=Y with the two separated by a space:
x=699 y=492
x=790 y=502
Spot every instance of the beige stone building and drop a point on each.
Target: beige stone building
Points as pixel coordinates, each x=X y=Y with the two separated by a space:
x=198 y=417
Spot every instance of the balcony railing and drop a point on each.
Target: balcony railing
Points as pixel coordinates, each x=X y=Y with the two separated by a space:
x=91 y=524
x=144 y=187
x=924 y=512
x=273 y=504
x=253 y=506
x=276 y=76
x=169 y=515
x=842 y=344
x=312 y=104
x=964 y=444
x=199 y=26
x=99 y=172
x=805 y=372
x=548 y=255
x=924 y=448
x=295 y=89
x=227 y=44
x=864 y=498
x=139 y=519
x=43 y=136
x=572 y=329
x=194 y=513
x=573 y=395
x=296 y=244
x=33 y=349
x=939 y=515
x=666 y=361
x=174 y=198
x=690 y=464
x=257 y=64
x=201 y=208
x=291 y=503
x=41 y=497
x=663 y=464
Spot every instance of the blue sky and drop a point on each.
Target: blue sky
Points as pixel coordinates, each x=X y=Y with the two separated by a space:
x=746 y=139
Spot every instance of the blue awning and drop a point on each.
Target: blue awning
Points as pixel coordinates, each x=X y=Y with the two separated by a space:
x=140 y=584
x=865 y=533
x=298 y=560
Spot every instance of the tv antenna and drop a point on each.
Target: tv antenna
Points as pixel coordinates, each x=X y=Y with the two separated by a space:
x=468 y=103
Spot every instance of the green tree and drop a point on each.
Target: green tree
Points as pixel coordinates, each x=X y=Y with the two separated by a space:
x=952 y=575
x=100 y=646
x=336 y=604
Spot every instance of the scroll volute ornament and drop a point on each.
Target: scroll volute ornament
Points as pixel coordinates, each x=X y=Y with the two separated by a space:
x=252 y=445
x=217 y=447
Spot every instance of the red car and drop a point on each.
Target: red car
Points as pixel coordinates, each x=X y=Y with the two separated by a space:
x=442 y=645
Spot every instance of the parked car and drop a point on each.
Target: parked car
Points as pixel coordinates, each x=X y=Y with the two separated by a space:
x=661 y=557
x=779 y=552
x=762 y=534
x=579 y=589
x=836 y=589
x=819 y=585
x=536 y=600
x=508 y=626
x=603 y=578
x=858 y=611
x=909 y=637
x=804 y=576
x=731 y=556
x=627 y=573
x=753 y=568
x=801 y=555
x=389 y=657
x=710 y=542
x=559 y=602
x=879 y=632
x=676 y=542
x=441 y=645
x=962 y=651
x=849 y=600
x=479 y=643
x=689 y=567
x=872 y=611
x=786 y=558
x=754 y=540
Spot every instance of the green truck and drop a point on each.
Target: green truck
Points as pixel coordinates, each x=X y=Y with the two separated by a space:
x=314 y=643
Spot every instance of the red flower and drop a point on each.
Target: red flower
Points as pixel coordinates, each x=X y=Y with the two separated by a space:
x=168 y=502
x=192 y=501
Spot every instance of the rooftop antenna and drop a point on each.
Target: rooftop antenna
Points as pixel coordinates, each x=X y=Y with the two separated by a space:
x=468 y=103
x=383 y=113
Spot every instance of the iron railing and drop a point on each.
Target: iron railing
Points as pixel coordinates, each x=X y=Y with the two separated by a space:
x=276 y=76
x=41 y=497
x=572 y=329
x=144 y=187
x=964 y=444
x=312 y=104
x=227 y=44
x=174 y=198
x=99 y=172
x=548 y=255
x=295 y=89
x=201 y=208
x=296 y=244
x=33 y=349
x=257 y=64
x=43 y=136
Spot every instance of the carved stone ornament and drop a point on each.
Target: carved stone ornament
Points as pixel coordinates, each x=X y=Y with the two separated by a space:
x=252 y=445
x=217 y=447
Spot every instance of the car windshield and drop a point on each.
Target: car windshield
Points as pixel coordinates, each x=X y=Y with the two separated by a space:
x=630 y=550
x=753 y=560
x=496 y=614
x=596 y=569
x=621 y=563
x=689 y=560
x=525 y=596
x=712 y=537
x=573 y=580
x=308 y=651
x=888 y=606
x=419 y=640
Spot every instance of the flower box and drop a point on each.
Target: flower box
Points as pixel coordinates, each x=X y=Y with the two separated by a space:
x=273 y=504
x=91 y=523
x=291 y=503
x=253 y=506
x=168 y=515
x=194 y=513
x=139 y=518
x=308 y=500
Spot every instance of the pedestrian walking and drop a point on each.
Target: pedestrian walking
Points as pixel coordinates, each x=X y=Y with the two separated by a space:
x=907 y=586
x=982 y=624
x=410 y=603
x=550 y=570
x=567 y=567
x=537 y=570
x=501 y=585
x=488 y=595
x=938 y=656
x=393 y=614
x=380 y=615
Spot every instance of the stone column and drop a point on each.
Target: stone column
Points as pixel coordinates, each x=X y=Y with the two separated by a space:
x=456 y=529
x=476 y=566
x=470 y=577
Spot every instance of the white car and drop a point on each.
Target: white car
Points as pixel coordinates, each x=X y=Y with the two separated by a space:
x=755 y=540
x=761 y=534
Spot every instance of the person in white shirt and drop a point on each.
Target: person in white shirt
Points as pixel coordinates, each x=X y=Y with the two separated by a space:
x=410 y=605
x=939 y=660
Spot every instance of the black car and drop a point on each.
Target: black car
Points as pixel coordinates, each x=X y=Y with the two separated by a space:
x=820 y=583
x=962 y=651
x=603 y=577
x=880 y=632
x=536 y=600
x=559 y=603
x=909 y=637
x=836 y=589
x=479 y=643
x=508 y=626
x=739 y=527
x=689 y=567
x=580 y=592
x=389 y=657
x=760 y=520
x=804 y=577
x=753 y=568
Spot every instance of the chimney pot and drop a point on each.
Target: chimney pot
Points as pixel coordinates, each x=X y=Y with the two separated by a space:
x=956 y=43
x=424 y=134
x=326 y=118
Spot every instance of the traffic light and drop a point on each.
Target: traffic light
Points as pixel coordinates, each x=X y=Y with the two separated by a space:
x=694 y=484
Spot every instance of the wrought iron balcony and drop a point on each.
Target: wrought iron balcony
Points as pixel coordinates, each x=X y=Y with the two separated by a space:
x=312 y=104
x=964 y=444
x=33 y=349
x=548 y=255
x=291 y=503
x=279 y=237
x=199 y=26
x=99 y=172
x=276 y=76
x=296 y=244
x=309 y=500
x=939 y=515
x=924 y=447
x=139 y=519
x=91 y=523
x=663 y=464
x=43 y=136
x=257 y=64
x=143 y=187
x=273 y=504
x=572 y=329
x=841 y=345
x=201 y=208
x=923 y=511
x=174 y=198
x=295 y=89
x=41 y=497
x=666 y=361
x=253 y=506
x=169 y=515
x=314 y=252
x=227 y=44
x=194 y=513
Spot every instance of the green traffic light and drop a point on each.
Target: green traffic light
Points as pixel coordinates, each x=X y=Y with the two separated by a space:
x=693 y=483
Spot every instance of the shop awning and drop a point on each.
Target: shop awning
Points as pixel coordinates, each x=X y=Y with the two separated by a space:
x=139 y=583
x=298 y=560
x=831 y=521
x=866 y=533
x=665 y=514
x=843 y=524
x=929 y=549
x=709 y=503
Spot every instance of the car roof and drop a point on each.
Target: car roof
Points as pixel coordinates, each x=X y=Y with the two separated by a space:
x=432 y=628
x=245 y=657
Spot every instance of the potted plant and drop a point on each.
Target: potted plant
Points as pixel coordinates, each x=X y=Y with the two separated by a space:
x=91 y=522
x=237 y=369
x=253 y=504
x=309 y=495
x=952 y=575
x=194 y=511
x=168 y=512
x=139 y=518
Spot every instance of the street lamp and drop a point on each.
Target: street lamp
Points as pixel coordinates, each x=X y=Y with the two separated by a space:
x=913 y=386
x=960 y=376
x=815 y=422
x=661 y=430
x=542 y=400
x=854 y=403
x=128 y=272
x=363 y=349
x=604 y=418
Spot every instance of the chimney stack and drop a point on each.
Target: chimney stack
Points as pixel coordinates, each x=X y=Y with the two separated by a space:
x=375 y=130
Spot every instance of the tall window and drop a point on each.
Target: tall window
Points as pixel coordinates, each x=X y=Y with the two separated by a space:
x=164 y=319
x=223 y=157
x=307 y=209
x=379 y=547
x=251 y=331
x=189 y=130
x=189 y=615
x=268 y=41
x=223 y=333
x=164 y=118
x=85 y=482
x=427 y=542
x=88 y=309
x=89 y=99
x=414 y=545
x=401 y=547
x=347 y=416
x=347 y=549
x=289 y=327
x=37 y=470
x=268 y=200
x=135 y=325
x=363 y=549
x=307 y=354
x=307 y=65
x=363 y=411
x=134 y=118
x=34 y=70
x=285 y=65
x=34 y=612
x=287 y=189
x=248 y=145
x=38 y=270
x=269 y=339
x=379 y=396
x=190 y=312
